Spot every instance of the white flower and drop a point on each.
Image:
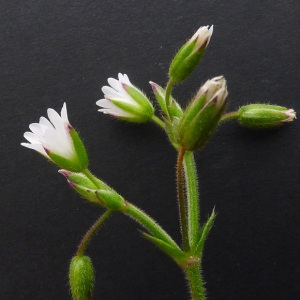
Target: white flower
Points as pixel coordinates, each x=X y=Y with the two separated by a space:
x=125 y=101
x=57 y=140
x=202 y=37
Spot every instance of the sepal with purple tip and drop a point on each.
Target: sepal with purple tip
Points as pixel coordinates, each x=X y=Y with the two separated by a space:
x=95 y=190
x=202 y=116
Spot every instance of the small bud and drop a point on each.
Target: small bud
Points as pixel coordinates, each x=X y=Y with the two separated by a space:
x=201 y=117
x=81 y=277
x=189 y=55
x=160 y=95
x=95 y=191
x=125 y=101
x=264 y=115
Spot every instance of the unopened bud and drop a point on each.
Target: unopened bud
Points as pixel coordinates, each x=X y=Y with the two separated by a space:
x=201 y=117
x=81 y=277
x=174 y=109
x=95 y=190
x=189 y=55
x=264 y=115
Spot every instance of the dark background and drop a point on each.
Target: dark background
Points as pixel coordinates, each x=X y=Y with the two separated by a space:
x=56 y=51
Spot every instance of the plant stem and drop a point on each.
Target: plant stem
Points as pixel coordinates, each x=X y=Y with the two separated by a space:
x=86 y=239
x=148 y=223
x=158 y=121
x=229 y=116
x=193 y=275
x=192 y=192
x=181 y=201
x=141 y=217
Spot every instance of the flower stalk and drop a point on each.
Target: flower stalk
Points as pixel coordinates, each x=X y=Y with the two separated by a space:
x=92 y=231
x=181 y=202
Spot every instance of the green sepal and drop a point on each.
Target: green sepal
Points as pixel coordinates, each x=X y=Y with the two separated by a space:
x=172 y=131
x=78 y=162
x=175 y=253
x=80 y=150
x=111 y=200
x=137 y=113
x=195 y=129
x=191 y=111
x=81 y=278
x=83 y=180
x=68 y=164
x=160 y=95
x=87 y=194
x=140 y=99
x=185 y=61
x=204 y=233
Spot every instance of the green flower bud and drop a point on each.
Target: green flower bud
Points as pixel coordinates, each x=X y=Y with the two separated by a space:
x=95 y=191
x=264 y=115
x=81 y=277
x=189 y=55
x=160 y=95
x=201 y=117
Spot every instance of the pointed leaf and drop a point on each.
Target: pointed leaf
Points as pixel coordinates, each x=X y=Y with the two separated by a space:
x=204 y=233
x=175 y=253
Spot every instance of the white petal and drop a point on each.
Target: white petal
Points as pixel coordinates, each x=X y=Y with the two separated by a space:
x=115 y=84
x=31 y=137
x=64 y=114
x=45 y=122
x=124 y=79
x=111 y=93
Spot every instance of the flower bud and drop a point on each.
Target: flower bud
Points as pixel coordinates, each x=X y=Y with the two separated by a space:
x=264 y=115
x=125 y=101
x=201 y=117
x=160 y=95
x=95 y=191
x=189 y=55
x=81 y=277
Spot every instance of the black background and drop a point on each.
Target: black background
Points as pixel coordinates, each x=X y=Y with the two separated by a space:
x=56 y=51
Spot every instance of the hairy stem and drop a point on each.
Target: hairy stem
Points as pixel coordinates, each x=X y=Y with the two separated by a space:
x=87 y=237
x=192 y=193
x=181 y=201
x=148 y=223
x=193 y=275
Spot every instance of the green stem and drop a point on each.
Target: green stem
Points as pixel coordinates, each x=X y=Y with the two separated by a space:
x=229 y=116
x=192 y=192
x=141 y=217
x=181 y=201
x=158 y=121
x=193 y=275
x=148 y=223
x=168 y=94
x=86 y=239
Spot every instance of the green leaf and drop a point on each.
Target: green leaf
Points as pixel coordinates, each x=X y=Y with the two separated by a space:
x=175 y=253
x=204 y=233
